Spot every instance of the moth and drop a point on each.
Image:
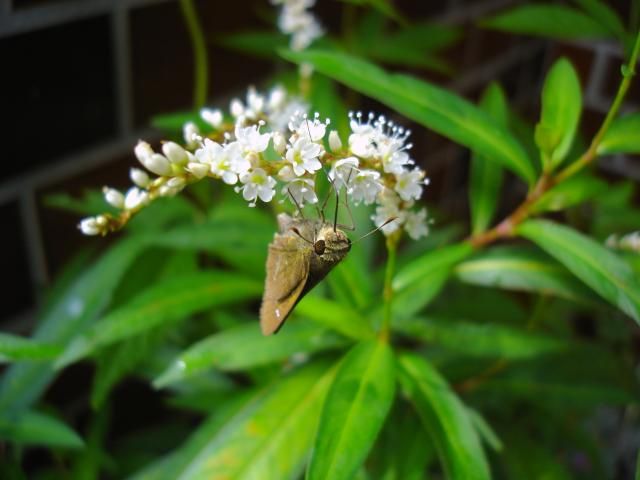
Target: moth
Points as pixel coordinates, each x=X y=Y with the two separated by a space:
x=302 y=253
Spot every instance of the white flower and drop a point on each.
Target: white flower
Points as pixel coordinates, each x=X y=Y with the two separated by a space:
x=257 y=184
x=416 y=224
x=113 y=197
x=279 y=118
x=343 y=172
x=286 y=174
x=302 y=190
x=277 y=98
x=294 y=19
x=251 y=140
x=212 y=117
x=139 y=177
x=135 y=197
x=409 y=184
x=90 y=226
x=236 y=108
x=362 y=142
x=365 y=186
x=388 y=207
x=314 y=130
x=226 y=161
x=191 y=134
x=303 y=156
x=335 y=144
x=175 y=153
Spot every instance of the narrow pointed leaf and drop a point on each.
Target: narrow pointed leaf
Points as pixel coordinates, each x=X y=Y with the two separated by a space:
x=270 y=438
x=353 y=414
x=168 y=301
x=446 y=419
x=419 y=282
x=591 y=262
x=14 y=348
x=561 y=108
x=245 y=347
x=515 y=268
x=334 y=316
x=535 y=20
x=622 y=136
x=35 y=428
x=485 y=176
x=431 y=106
x=605 y=16
x=488 y=340
x=71 y=312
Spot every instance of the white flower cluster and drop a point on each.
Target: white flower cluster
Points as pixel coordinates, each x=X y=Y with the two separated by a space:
x=260 y=153
x=630 y=241
x=296 y=21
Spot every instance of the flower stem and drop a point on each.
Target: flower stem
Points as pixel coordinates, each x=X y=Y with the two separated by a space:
x=200 y=67
x=392 y=244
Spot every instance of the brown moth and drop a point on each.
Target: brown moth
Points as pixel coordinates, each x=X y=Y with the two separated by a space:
x=300 y=256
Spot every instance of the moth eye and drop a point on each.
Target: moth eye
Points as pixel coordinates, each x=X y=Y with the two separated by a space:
x=319 y=247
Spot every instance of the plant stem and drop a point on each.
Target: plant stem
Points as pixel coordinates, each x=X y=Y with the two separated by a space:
x=506 y=228
x=629 y=71
x=200 y=66
x=392 y=244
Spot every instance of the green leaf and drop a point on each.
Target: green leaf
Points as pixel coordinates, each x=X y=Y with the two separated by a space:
x=34 y=428
x=355 y=409
x=561 y=108
x=591 y=262
x=622 y=136
x=573 y=191
x=174 y=122
x=244 y=347
x=488 y=435
x=403 y=449
x=168 y=301
x=270 y=438
x=421 y=280
x=480 y=340
x=446 y=419
x=76 y=308
x=605 y=16
x=427 y=104
x=15 y=348
x=485 y=177
x=515 y=268
x=553 y=21
x=334 y=316
x=261 y=44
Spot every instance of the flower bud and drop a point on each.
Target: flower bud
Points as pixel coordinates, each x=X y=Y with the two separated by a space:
x=177 y=182
x=139 y=177
x=236 y=108
x=198 y=170
x=135 y=198
x=191 y=134
x=334 y=141
x=113 y=197
x=279 y=142
x=175 y=153
x=158 y=164
x=142 y=151
x=212 y=117
x=89 y=226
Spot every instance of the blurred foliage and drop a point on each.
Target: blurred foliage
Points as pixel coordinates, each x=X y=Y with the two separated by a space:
x=503 y=361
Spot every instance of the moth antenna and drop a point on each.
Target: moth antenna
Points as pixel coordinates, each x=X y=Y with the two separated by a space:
x=297 y=232
x=335 y=215
x=308 y=128
x=293 y=199
x=387 y=222
x=326 y=198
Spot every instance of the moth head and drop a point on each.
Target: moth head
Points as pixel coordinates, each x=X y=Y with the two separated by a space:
x=334 y=241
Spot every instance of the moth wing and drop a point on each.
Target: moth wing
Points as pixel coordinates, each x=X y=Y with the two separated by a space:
x=287 y=273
